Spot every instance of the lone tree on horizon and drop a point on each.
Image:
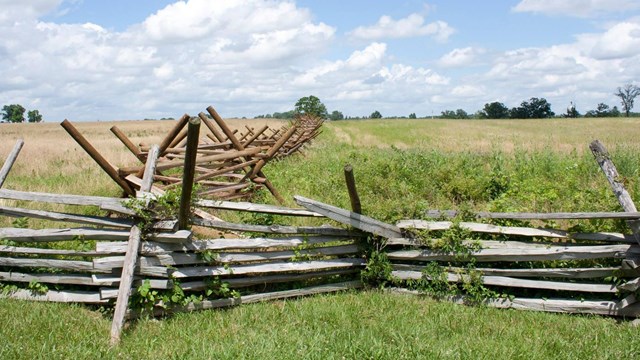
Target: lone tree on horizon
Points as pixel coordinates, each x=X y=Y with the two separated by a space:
x=311 y=105
x=627 y=95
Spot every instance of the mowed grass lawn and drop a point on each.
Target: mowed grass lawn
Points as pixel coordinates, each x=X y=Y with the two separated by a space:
x=402 y=167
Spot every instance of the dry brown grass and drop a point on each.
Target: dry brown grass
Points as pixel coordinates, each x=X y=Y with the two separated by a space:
x=52 y=161
x=561 y=135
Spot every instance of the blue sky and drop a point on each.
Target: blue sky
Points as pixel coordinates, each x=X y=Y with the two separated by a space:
x=103 y=60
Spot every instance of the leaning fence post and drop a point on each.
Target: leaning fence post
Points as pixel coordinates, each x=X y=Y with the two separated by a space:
x=611 y=173
x=97 y=157
x=10 y=160
x=131 y=256
x=193 y=134
x=351 y=187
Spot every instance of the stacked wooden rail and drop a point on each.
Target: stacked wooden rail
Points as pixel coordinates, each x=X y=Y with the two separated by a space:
x=104 y=261
x=509 y=266
x=525 y=259
x=229 y=163
x=60 y=258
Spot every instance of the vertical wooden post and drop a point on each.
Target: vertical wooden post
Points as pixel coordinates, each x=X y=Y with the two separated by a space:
x=131 y=256
x=351 y=187
x=150 y=170
x=13 y=155
x=96 y=156
x=193 y=134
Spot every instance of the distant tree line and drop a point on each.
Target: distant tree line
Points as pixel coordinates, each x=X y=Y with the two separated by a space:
x=534 y=108
x=14 y=113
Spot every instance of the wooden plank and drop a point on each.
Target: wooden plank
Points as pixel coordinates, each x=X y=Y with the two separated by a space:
x=269 y=279
x=248 y=299
x=512 y=230
x=631 y=286
x=174 y=259
x=236 y=283
x=492 y=244
x=505 y=281
x=39 y=251
x=124 y=289
x=64 y=217
x=154 y=248
x=343 y=216
x=106 y=203
x=70 y=279
x=313 y=290
x=602 y=307
x=251 y=207
x=72 y=265
x=522 y=254
x=11 y=158
x=57 y=296
x=537 y=216
x=565 y=273
x=279 y=267
x=150 y=169
x=28 y=235
x=276 y=229
x=131 y=256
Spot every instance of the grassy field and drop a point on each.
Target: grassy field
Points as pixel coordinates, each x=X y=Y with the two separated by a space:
x=402 y=167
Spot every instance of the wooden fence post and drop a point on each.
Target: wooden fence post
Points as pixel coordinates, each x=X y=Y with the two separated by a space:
x=131 y=256
x=6 y=167
x=127 y=142
x=625 y=200
x=351 y=187
x=193 y=134
x=96 y=156
x=610 y=171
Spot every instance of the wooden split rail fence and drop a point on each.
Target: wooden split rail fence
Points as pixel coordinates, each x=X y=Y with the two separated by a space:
x=106 y=259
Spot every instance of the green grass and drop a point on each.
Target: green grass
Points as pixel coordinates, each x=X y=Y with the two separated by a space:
x=370 y=325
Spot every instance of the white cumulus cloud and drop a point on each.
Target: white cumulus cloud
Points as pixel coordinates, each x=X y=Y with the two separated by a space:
x=461 y=57
x=411 y=26
x=575 y=8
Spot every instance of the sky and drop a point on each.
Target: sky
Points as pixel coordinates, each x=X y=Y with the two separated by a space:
x=86 y=60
